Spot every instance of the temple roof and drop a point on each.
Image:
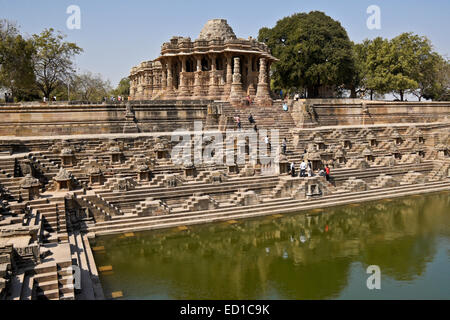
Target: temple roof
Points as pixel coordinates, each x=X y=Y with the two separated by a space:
x=217 y=29
x=29 y=181
x=63 y=175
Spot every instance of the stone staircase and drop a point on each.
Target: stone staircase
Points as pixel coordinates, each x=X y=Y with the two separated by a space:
x=440 y=171
x=48 y=280
x=126 y=201
x=384 y=181
x=151 y=206
x=54 y=218
x=200 y=202
x=413 y=178
x=54 y=281
x=98 y=213
x=353 y=185
x=267 y=207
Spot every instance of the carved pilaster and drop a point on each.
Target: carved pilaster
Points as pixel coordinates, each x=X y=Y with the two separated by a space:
x=213 y=90
x=184 y=89
x=197 y=82
x=236 y=94
x=262 y=94
x=170 y=85
x=164 y=77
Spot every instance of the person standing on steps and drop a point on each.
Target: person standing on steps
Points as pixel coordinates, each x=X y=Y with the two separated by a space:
x=267 y=141
x=284 y=145
x=309 y=172
x=303 y=166
x=238 y=122
x=250 y=119
x=292 y=169
x=248 y=100
x=327 y=173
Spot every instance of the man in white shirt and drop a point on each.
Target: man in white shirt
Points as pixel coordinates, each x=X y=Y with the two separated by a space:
x=267 y=141
x=303 y=166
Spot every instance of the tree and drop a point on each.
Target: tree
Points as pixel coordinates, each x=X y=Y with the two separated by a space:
x=404 y=60
x=376 y=68
x=437 y=86
x=314 y=51
x=52 y=61
x=405 y=64
x=16 y=71
x=90 y=87
x=358 y=83
x=123 y=89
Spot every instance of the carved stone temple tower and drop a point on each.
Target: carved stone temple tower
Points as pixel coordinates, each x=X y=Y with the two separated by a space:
x=216 y=66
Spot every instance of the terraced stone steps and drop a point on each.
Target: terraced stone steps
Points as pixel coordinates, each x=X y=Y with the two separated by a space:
x=54 y=217
x=128 y=224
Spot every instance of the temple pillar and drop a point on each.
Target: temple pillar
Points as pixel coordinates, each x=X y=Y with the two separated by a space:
x=150 y=85
x=228 y=78
x=164 y=76
x=183 y=89
x=236 y=94
x=262 y=94
x=213 y=89
x=197 y=81
x=170 y=88
x=251 y=91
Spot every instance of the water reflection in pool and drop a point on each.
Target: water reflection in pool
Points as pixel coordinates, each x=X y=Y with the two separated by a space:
x=311 y=255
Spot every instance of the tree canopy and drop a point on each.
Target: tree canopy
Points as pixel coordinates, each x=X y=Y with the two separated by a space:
x=16 y=69
x=53 y=60
x=405 y=64
x=123 y=89
x=314 y=51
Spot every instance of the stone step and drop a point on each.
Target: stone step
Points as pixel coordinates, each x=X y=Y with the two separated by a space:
x=45 y=277
x=47 y=285
x=27 y=288
x=45 y=268
x=48 y=295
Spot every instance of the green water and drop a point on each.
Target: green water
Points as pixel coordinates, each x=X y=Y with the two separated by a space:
x=310 y=255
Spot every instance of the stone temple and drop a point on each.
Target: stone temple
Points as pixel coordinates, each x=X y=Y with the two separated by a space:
x=216 y=66
x=71 y=172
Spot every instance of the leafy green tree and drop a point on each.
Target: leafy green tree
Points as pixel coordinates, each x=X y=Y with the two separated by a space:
x=314 y=51
x=436 y=85
x=404 y=61
x=16 y=71
x=376 y=67
x=405 y=64
x=123 y=88
x=53 y=60
x=358 y=85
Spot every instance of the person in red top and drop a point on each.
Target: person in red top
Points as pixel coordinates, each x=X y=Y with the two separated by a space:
x=327 y=172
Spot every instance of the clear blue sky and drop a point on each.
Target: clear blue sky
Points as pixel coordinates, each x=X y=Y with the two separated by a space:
x=117 y=35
